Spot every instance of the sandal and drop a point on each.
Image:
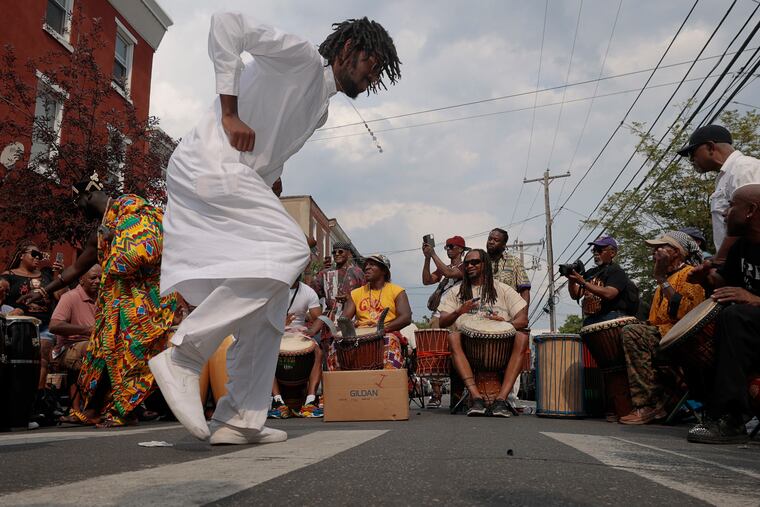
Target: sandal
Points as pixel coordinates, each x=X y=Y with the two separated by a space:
x=111 y=421
x=77 y=417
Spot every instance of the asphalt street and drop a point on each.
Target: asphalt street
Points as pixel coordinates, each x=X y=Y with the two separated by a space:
x=434 y=458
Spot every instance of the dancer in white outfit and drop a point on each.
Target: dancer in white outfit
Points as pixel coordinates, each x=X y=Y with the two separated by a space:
x=230 y=248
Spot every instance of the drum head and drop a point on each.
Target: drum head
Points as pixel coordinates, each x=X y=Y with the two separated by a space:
x=296 y=344
x=695 y=319
x=475 y=324
x=10 y=319
x=608 y=324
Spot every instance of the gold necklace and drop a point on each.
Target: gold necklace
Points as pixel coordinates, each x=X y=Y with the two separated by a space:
x=379 y=295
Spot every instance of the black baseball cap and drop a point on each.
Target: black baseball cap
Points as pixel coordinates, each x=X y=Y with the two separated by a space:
x=702 y=135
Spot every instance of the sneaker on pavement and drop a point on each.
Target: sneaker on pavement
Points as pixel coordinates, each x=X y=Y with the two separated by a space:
x=643 y=415
x=477 y=407
x=724 y=430
x=434 y=403
x=310 y=410
x=499 y=408
x=611 y=417
x=224 y=434
x=279 y=410
x=181 y=390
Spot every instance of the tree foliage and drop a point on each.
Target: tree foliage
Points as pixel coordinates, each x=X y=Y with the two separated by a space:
x=96 y=134
x=675 y=196
x=572 y=325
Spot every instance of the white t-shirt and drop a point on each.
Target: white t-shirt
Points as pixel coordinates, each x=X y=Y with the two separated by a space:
x=304 y=300
x=738 y=170
x=508 y=301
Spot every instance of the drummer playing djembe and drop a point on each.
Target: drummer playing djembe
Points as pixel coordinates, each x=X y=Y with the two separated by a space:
x=480 y=293
x=303 y=302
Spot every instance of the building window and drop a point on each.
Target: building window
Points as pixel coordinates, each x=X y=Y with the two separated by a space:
x=123 y=52
x=46 y=131
x=58 y=17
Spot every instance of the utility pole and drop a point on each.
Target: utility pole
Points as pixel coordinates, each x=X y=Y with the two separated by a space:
x=549 y=252
x=520 y=246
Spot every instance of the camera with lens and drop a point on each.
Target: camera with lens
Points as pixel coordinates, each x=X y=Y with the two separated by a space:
x=577 y=266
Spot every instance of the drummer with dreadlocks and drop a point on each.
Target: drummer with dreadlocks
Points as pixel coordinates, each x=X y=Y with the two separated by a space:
x=230 y=248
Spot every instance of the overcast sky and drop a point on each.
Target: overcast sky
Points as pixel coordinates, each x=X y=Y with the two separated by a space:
x=465 y=176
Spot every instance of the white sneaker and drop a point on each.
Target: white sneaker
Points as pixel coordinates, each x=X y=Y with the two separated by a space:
x=32 y=425
x=180 y=388
x=230 y=435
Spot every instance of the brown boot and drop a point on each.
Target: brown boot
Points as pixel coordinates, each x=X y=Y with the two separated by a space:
x=643 y=415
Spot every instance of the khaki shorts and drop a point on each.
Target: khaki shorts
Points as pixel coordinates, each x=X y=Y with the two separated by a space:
x=72 y=358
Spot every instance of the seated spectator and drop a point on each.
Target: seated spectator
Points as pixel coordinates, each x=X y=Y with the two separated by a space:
x=73 y=321
x=303 y=303
x=673 y=298
x=5 y=309
x=368 y=302
x=606 y=289
x=479 y=292
x=737 y=330
x=25 y=275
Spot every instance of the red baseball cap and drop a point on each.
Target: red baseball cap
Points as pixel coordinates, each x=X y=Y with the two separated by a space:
x=456 y=241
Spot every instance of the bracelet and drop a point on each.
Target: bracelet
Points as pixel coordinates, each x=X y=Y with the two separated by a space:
x=665 y=284
x=60 y=278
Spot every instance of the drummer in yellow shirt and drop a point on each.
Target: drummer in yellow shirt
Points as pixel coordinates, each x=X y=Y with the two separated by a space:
x=479 y=292
x=674 y=253
x=368 y=302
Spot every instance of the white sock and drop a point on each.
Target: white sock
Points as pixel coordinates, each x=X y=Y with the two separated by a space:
x=278 y=398
x=310 y=399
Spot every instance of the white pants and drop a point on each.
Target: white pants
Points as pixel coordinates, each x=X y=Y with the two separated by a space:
x=253 y=311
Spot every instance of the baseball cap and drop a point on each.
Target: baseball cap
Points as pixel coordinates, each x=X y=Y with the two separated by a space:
x=380 y=259
x=605 y=241
x=694 y=233
x=707 y=133
x=456 y=241
x=669 y=239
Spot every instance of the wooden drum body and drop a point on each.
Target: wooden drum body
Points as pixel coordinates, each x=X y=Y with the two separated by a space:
x=559 y=376
x=362 y=352
x=486 y=343
x=433 y=354
x=19 y=369
x=605 y=342
x=296 y=359
x=690 y=342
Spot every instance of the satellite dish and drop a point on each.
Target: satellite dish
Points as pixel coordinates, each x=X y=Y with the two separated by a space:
x=11 y=154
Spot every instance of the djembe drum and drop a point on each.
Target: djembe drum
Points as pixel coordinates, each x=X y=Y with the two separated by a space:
x=19 y=368
x=296 y=359
x=690 y=343
x=363 y=351
x=605 y=342
x=433 y=354
x=487 y=344
x=559 y=375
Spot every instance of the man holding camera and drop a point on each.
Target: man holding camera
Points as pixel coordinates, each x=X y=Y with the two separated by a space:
x=604 y=288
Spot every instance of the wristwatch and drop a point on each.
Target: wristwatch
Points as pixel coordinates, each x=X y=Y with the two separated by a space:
x=665 y=284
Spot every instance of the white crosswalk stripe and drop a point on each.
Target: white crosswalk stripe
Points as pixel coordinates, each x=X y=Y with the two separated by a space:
x=33 y=437
x=676 y=470
x=200 y=481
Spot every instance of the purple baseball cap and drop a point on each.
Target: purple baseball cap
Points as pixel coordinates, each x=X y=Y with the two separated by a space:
x=605 y=241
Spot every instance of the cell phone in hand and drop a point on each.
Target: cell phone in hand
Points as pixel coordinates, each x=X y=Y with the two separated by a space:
x=59 y=257
x=429 y=239
x=475 y=300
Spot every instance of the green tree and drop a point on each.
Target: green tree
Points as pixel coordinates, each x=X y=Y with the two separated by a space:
x=573 y=324
x=674 y=196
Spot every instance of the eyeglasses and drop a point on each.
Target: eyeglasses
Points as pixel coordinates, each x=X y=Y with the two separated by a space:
x=599 y=249
x=36 y=254
x=472 y=262
x=339 y=251
x=450 y=247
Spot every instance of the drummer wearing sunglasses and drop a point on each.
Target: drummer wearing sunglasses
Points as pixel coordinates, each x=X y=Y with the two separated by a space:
x=479 y=292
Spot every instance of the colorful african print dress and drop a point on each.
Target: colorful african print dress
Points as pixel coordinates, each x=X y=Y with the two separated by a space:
x=131 y=319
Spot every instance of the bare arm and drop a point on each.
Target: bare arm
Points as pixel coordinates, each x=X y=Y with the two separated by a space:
x=525 y=294
x=63 y=328
x=349 y=308
x=403 y=314
x=316 y=323
x=241 y=136
x=720 y=256
x=521 y=319
x=429 y=278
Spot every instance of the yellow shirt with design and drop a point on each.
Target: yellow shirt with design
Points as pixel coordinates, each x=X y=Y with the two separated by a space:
x=665 y=313
x=371 y=303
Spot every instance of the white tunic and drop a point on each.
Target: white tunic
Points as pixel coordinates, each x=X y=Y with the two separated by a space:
x=738 y=170
x=222 y=219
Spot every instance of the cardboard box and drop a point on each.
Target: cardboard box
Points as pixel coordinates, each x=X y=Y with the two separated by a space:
x=366 y=395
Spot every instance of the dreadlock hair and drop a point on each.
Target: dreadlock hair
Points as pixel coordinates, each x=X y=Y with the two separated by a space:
x=368 y=36
x=20 y=250
x=502 y=232
x=488 y=288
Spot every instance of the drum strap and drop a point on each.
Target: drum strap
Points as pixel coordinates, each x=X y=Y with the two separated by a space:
x=293 y=298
